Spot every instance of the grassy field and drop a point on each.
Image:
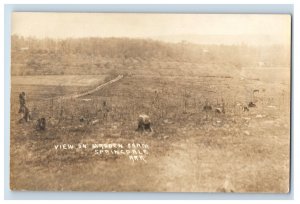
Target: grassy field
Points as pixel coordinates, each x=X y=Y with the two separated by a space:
x=190 y=149
x=61 y=80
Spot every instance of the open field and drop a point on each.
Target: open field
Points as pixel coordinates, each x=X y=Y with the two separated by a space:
x=59 y=80
x=190 y=149
x=160 y=102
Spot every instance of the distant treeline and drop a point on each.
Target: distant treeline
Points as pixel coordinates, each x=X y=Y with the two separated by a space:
x=58 y=56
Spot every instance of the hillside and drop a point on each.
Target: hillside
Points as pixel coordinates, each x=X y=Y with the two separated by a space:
x=31 y=56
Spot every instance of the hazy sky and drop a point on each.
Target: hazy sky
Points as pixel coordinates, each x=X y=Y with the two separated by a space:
x=62 y=25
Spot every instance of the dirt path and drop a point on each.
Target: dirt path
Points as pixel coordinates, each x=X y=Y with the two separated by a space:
x=77 y=95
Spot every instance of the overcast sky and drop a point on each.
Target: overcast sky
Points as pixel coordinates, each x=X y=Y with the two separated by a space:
x=62 y=25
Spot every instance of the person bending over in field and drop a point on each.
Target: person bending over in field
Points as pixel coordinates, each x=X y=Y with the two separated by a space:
x=41 y=124
x=144 y=124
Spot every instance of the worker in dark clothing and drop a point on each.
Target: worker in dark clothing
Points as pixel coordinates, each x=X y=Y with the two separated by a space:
x=22 y=100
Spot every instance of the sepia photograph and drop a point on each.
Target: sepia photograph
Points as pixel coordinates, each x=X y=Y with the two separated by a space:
x=150 y=102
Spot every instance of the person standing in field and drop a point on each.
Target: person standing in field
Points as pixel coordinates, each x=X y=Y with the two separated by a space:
x=25 y=112
x=22 y=100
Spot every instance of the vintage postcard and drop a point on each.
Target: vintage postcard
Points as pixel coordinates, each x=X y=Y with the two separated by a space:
x=134 y=102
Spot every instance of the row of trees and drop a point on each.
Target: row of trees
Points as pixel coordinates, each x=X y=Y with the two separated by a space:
x=28 y=50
